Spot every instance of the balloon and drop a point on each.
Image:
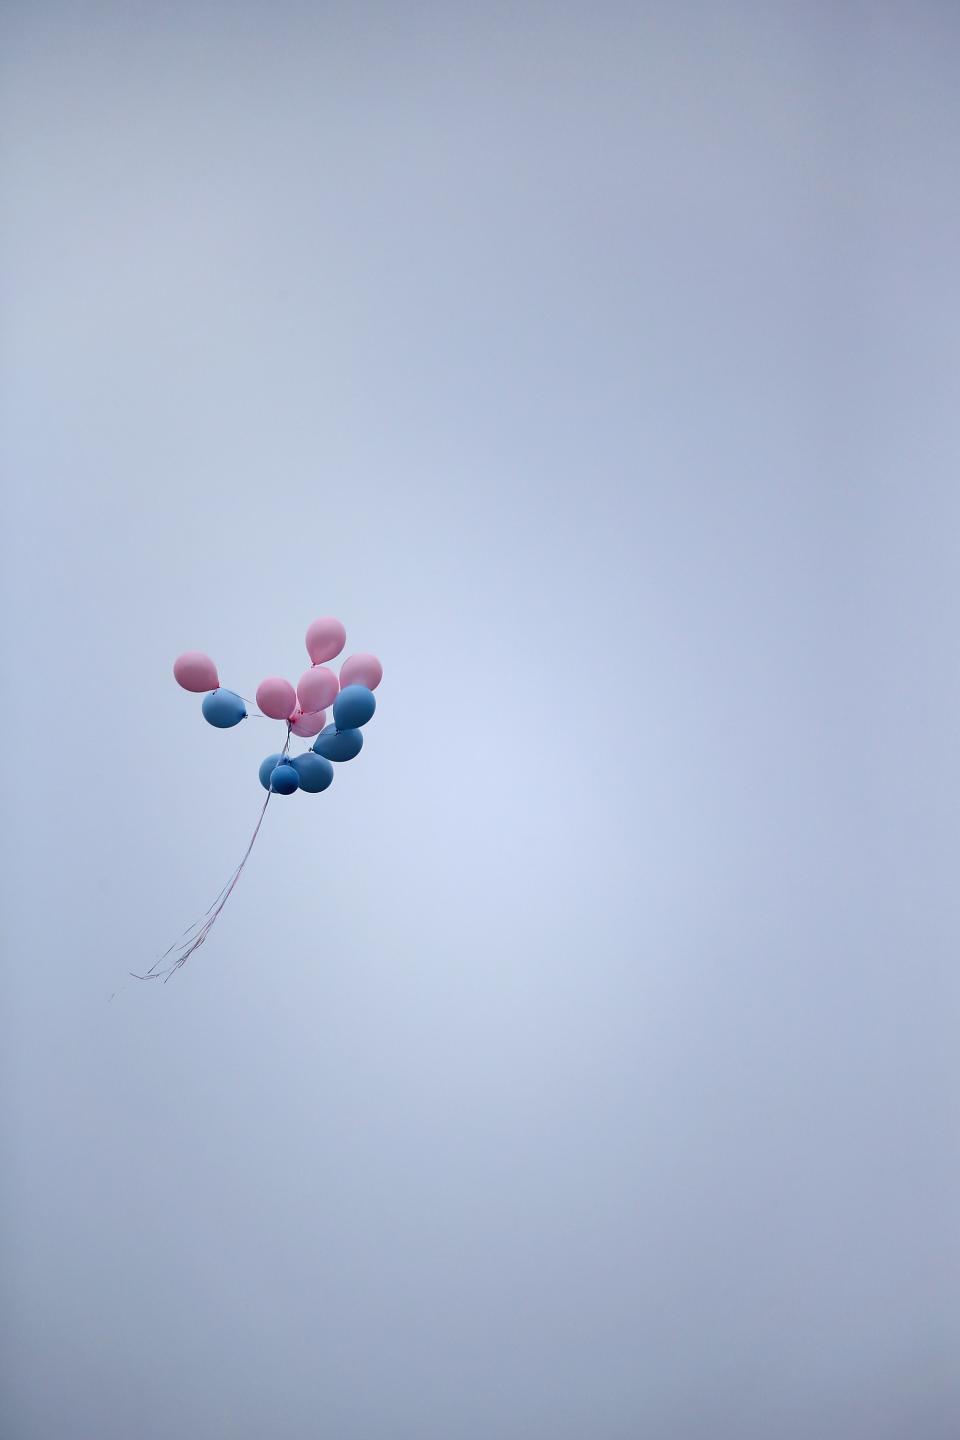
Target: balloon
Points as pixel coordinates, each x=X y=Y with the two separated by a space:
x=223 y=709
x=276 y=698
x=353 y=706
x=284 y=780
x=315 y=772
x=325 y=638
x=267 y=768
x=361 y=670
x=308 y=724
x=347 y=698
x=334 y=744
x=317 y=688
x=196 y=672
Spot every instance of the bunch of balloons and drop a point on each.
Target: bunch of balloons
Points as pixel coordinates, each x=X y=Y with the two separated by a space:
x=304 y=712
x=303 y=709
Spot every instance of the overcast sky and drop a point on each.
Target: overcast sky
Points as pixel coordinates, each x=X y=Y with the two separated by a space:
x=584 y=1062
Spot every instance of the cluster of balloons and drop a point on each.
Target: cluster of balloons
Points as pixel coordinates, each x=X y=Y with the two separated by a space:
x=303 y=708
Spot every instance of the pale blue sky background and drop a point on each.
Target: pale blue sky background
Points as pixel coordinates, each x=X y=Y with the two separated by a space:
x=584 y=1062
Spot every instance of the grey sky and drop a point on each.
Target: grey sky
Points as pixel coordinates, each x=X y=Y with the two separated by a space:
x=584 y=1062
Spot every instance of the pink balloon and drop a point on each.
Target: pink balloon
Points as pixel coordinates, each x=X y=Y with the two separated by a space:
x=325 y=638
x=361 y=670
x=276 y=698
x=196 y=672
x=308 y=724
x=317 y=688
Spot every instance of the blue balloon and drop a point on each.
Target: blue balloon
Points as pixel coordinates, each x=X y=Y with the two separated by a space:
x=267 y=769
x=353 y=707
x=223 y=709
x=315 y=772
x=334 y=744
x=284 y=780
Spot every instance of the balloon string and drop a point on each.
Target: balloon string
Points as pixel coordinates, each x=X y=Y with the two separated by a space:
x=254 y=714
x=186 y=947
